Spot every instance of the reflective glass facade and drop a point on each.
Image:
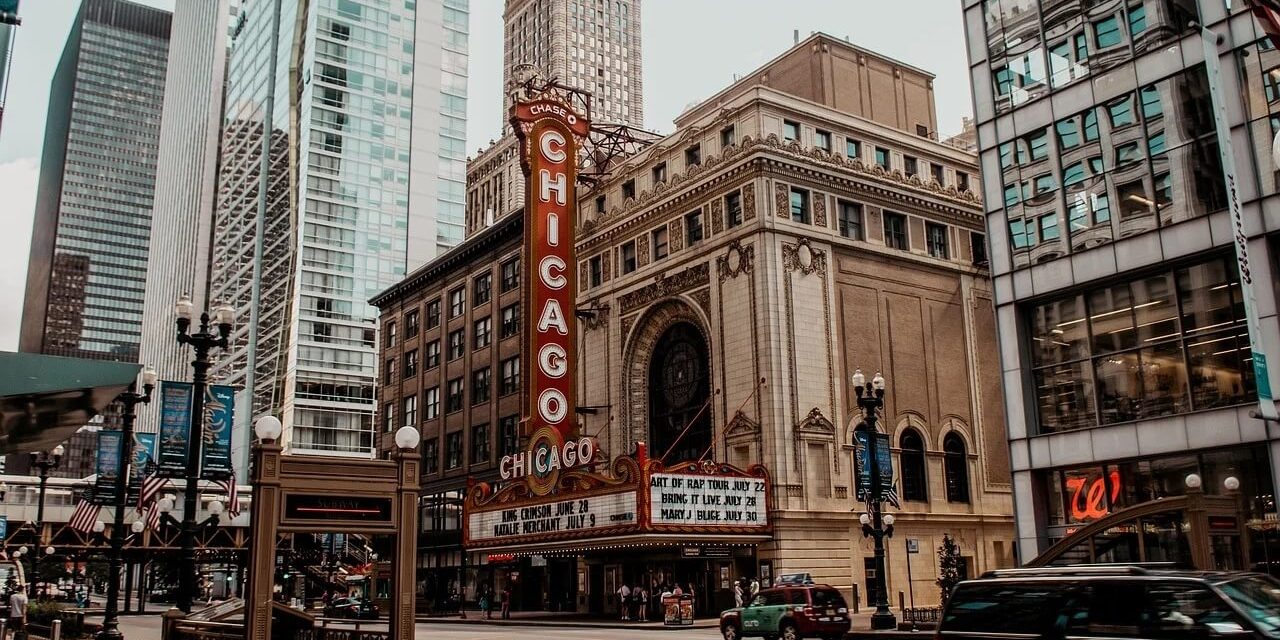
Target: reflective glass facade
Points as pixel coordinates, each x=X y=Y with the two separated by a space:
x=344 y=209
x=93 y=217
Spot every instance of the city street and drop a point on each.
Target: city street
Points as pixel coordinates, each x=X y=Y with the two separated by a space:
x=149 y=627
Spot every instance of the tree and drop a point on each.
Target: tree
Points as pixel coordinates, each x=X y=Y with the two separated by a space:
x=949 y=560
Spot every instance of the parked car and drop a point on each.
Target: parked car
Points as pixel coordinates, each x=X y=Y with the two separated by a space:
x=1114 y=602
x=357 y=608
x=789 y=612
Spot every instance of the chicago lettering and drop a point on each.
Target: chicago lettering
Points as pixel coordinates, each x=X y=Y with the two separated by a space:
x=543 y=460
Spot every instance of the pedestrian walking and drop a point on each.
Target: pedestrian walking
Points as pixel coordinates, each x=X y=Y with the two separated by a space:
x=755 y=588
x=18 y=614
x=624 y=601
x=506 y=603
x=484 y=604
x=643 y=604
x=737 y=594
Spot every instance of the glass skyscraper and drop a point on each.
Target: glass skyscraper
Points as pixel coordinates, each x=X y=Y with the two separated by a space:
x=364 y=118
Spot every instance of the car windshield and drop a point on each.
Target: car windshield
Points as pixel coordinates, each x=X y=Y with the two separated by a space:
x=1259 y=597
x=827 y=598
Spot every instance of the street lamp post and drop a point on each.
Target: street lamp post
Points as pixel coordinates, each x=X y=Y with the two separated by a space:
x=202 y=341
x=130 y=400
x=876 y=525
x=43 y=462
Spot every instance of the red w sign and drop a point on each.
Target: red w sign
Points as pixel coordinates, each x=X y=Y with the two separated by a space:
x=1268 y=14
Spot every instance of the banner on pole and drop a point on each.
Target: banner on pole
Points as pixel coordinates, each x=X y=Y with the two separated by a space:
x=108 y=465
x=220 y=410
x=144 y=451
x=1266 y=406
x=885 y=464
x=176 y=401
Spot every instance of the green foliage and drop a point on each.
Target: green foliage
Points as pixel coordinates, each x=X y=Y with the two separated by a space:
x=949 y=559
x=43 y=613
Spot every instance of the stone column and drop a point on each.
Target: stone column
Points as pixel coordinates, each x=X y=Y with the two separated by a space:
x=262 y=540
x=403 y=571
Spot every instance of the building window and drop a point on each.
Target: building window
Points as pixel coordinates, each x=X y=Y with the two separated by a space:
x=790 y=130
x=510 y=320
x=935 y=236
x=693 y=156
x=411 y=411
x=479 y=444
x=978 y=248
x=629 y=189
x=800 y=205
x=431 y=359
x=510 y=376
x=733 y=208
x=431 y=455
x=882 y=158
x=895 y=230
x=457 y=302
x=822 y=140
x=457 y=343
x=431 y=403
x=659 y=172
x=1167 y=343
x=910 y=166
x=510 y=274
x=1137 y=20
x=629 y=256
x=480 y=386
x=914 y=483
x=481 y=333
x=389 y=417
x=390 y=340
x=693 y=227
x=433 y=314
x=411 y=364
x=1106 y=33
x=939 y=174
x=962 y=181
x=599 y=204
x=595 y=272
x=955 y=468
x=727 y=137
x=659 y=241
x=850 y=219
x=411 y=325
x=1271 y=84
x=482 y=287
x=453 y=450
x=389 y=371
x=852 y=148
x=453 y=397
x=508 y=432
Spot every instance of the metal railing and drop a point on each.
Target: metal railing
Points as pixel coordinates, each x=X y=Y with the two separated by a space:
x=922 y=614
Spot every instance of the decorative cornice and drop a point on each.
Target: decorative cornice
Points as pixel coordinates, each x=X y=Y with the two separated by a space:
x=738 y=260
x=802 y=257
x=663 y=286
x=741 y=426
x=815 y=425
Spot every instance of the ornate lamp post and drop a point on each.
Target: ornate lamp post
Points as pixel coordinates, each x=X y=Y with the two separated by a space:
x=875 y=524
x=202 y=341
x=43 y=463
x=130 y=400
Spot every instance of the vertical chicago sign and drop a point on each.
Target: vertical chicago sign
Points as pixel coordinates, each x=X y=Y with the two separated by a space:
x=549 y=131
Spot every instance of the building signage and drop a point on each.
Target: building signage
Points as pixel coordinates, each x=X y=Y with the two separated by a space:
x=176 y=400
x=564 y=516
x=706 y=500
x=1087 y=495
x=546 y=456
x=215 y=451
x=884 y=453
x=549 y=131
x=108 y=465
x=302 y=506
x=1266 y=405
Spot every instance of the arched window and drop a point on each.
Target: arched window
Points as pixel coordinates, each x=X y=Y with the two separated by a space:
x=679 y=388
x=956 y=468
x=914 y=484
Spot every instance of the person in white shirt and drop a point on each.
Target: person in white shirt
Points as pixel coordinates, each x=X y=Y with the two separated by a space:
x=624 y=601
x=18 y=612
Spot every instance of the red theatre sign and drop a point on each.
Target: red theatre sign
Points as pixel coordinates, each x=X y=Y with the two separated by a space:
x=549 y=132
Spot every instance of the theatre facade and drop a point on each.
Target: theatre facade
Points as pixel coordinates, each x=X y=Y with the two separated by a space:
x=798 y=225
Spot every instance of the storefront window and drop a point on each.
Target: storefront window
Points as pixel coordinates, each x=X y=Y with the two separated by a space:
x=1164 y=344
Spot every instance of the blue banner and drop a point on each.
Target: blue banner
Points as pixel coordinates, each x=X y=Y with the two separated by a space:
x=176 y=400
x=4 y=527
x=108 y=466
x=885 y=458
x=219 y=412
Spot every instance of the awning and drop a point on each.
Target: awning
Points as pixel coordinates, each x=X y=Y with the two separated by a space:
x=46 y=399
x=631 y=541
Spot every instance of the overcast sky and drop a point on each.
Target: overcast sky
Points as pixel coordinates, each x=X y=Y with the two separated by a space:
x=691 y=49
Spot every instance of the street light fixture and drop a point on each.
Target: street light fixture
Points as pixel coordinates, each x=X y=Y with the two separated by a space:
x=43 y=462
x=129 y=400
x=213 y=332
x=875 y=524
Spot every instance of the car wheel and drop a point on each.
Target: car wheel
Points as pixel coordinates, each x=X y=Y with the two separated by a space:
x=730 y=632
x=788 y=632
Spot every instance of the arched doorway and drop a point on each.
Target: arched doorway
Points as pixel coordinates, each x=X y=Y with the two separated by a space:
x=679 y=388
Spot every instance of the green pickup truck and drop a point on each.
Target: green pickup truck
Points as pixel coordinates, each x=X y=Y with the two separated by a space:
x=789 y=613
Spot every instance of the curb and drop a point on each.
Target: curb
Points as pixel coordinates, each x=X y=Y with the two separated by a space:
x=570 y=624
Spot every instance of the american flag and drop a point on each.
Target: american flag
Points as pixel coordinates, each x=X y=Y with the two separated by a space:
x=233 y=495
x=151 y=487
x=86 y=514
x=153 y=516
x=891 y=495
x=1268 y=14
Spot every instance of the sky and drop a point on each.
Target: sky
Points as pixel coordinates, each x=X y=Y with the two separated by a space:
x=691 y=49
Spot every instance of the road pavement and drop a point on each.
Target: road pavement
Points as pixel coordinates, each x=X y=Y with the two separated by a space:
x=148 y=628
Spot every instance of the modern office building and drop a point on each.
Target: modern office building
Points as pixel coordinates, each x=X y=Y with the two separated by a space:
x=186 y=182
x=89 y=253
x=363 y=109
x=1123 y=344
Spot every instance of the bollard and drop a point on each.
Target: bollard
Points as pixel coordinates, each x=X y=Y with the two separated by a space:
x=857 y=599
x=55 y=630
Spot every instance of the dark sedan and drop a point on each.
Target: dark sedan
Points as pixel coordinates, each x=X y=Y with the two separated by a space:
x=355 y=608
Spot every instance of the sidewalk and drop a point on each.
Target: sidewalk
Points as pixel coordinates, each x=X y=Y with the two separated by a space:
x=571 y=620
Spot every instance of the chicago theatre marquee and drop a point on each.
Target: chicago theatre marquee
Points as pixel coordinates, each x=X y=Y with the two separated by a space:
x=682 y=412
